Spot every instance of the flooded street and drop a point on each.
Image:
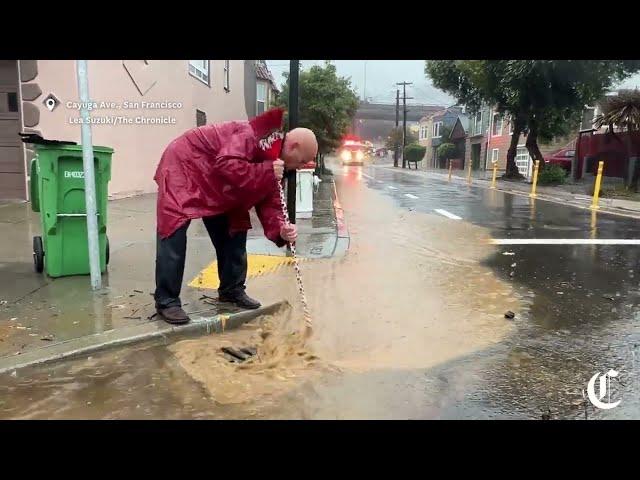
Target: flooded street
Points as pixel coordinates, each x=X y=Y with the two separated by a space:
x=409 y=324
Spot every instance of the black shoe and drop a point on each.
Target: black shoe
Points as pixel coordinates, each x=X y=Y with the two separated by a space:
x=241 y=300
x=173 y=315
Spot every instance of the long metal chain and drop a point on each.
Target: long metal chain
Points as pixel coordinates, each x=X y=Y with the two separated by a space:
x=296 y=265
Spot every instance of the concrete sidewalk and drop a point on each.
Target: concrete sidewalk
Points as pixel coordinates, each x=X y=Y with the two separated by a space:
x=42 y=317
x=569 y=194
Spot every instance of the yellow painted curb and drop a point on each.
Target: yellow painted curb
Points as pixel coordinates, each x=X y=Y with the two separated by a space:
x=257 y=265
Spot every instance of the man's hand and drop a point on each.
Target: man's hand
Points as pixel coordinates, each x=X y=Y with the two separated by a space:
x=289 y=232
x=278 y=169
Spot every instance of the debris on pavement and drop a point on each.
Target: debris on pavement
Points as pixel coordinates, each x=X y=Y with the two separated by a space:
x=13 y=319
x=509 y=314
x=513 y=265
x=138 y=291
x=47 y=338
x=14 y=374
x=508 y=253
x=608 y=297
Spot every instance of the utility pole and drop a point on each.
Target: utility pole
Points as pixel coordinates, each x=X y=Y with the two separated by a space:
x=404 y=119
x=294 y=70
x=395 y=149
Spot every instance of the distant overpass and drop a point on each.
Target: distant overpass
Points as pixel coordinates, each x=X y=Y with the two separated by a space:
x=374 y=121
x=382 y=111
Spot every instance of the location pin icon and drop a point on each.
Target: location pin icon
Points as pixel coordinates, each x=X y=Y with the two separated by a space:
x=50 y=104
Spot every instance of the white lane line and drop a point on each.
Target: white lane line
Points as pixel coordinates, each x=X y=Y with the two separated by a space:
x=410 y=196
x=392 y=188
x=368 y=176
x=448 y=214
x=564 y=241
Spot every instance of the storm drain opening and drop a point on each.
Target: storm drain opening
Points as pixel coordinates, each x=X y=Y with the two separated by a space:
x=238 y=355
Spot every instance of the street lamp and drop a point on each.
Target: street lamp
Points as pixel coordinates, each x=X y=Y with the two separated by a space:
x=294 y=72
x=364 y=92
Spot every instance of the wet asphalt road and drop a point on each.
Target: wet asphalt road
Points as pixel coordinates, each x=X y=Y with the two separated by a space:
x=577 y=319
x=582 y=301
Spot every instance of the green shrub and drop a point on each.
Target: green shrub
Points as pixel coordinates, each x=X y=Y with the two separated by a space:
x=414 y=152
x=552 y=175
x=446 y=151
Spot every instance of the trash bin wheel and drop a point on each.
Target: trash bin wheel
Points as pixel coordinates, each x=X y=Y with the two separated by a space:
x=38 y=254
x=107 y=254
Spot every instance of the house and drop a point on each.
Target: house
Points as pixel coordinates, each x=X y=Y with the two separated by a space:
x=142 y=106
x=425 y=126
x=266 y=88
x=441 y=124
x=458 y=137
x=500 y=139
x=476 y=142
x=489 y=138
x=619 y=151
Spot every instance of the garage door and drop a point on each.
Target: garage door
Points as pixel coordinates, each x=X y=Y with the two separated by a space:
x=12 y=175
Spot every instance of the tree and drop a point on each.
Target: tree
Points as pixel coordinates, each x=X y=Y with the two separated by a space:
x=415 y=152
x=623 y=111
x=446 y=151
x=542 y=98
x=327 y=105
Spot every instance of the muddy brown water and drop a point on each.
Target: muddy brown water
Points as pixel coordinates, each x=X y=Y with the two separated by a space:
x=405 y=299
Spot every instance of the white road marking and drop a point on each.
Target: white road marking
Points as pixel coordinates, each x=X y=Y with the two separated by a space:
x=410 y=196
x=564 y=241
x=392 y=188
x=448 y=214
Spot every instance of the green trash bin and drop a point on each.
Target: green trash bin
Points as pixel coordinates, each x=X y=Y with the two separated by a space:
x=57 y=192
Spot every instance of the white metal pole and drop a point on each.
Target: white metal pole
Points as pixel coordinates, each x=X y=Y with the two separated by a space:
x=89 y=177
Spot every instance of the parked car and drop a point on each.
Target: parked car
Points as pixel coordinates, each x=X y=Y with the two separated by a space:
x=381 y=152
x=562 y=158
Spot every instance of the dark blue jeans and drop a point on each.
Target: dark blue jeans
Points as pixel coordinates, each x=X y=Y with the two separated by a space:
x=231 y=253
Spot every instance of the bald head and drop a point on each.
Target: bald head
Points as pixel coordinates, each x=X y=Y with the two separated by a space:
x=300 y=147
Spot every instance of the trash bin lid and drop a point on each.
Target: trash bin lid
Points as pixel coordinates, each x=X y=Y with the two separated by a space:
x=43 y=143
x=73 y=148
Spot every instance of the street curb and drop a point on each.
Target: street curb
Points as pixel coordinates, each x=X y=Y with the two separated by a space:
x=343 y=241
x=604 y=208
x=130 y=335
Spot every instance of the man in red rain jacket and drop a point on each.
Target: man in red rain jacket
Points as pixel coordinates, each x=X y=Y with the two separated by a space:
x=218 y=173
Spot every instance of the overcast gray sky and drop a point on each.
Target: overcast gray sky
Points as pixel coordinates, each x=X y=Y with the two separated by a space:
x=382 y=76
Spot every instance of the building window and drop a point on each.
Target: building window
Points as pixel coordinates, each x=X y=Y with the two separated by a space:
x=523 y=160
x=200 y=70
x=495 y=153
x=423 y=132
x=437 y=127
x=497 y=125
x=12 y=102
x=261 y=98
x=201 y=118
x=226 y=76
x=477 y=127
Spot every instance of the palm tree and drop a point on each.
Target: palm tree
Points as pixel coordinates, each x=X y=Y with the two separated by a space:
x=622 y=111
